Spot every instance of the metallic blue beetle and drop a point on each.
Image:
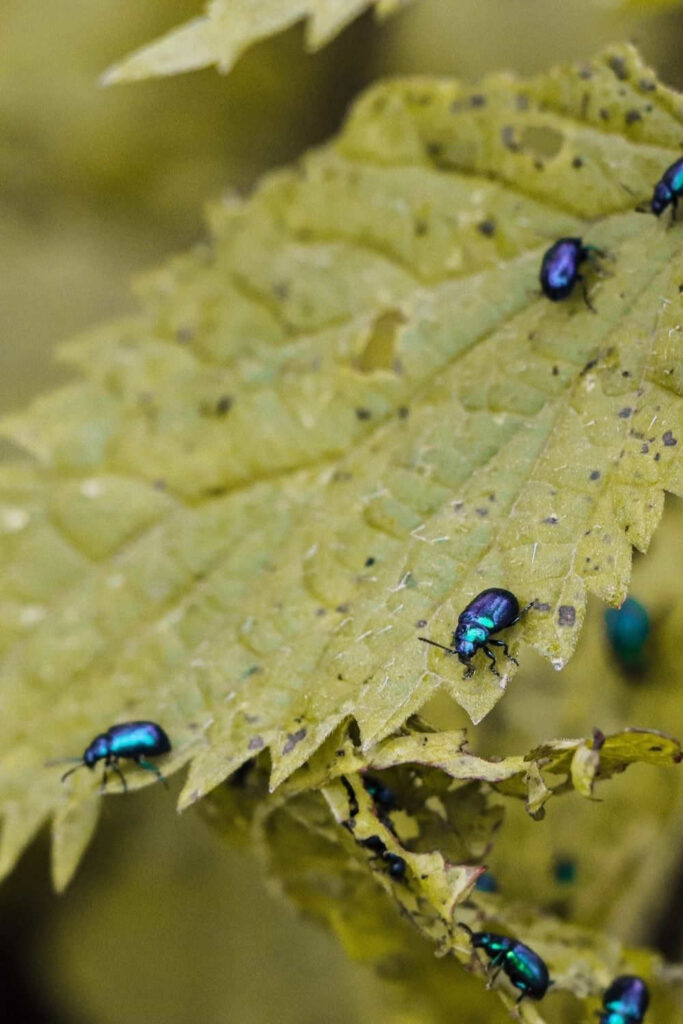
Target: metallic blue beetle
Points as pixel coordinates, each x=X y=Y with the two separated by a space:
x=382 y=796
x=397 y=865
x=487 y=613
x=627 y=629
x=133 y=740
x=625 y=1001
x=668 y=190
x=525 y=969
x=486 y=883
x=560 y=268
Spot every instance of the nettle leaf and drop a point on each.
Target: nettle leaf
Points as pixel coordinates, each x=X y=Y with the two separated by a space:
x=328 y=857
x=229 y=27
x=553 y=768
x=335 y=423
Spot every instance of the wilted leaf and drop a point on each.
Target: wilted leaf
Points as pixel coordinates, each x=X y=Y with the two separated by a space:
x=330 y=428
x=228 y=27
x=334 y=877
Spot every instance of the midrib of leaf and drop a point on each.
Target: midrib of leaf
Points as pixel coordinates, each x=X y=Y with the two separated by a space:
x=189 y=662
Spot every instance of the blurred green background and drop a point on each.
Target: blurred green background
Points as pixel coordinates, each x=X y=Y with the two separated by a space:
x=163 y=923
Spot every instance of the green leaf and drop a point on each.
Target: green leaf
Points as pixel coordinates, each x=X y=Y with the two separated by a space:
x=326 y=870
x=229 y=27
x=533 y=778
x=332 y=425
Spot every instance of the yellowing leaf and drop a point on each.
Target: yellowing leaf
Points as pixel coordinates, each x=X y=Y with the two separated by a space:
x=342 y=881
x=534 y=777
x=333 y=425
x=229 y=27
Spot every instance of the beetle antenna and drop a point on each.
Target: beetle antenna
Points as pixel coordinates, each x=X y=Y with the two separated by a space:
x=434 y=644
x=62 y=760
x=82 y=764
x=465 y=928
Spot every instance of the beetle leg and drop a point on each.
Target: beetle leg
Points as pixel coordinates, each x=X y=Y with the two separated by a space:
x=579 y=277
x=103 y=787
x=489 y=654
x=469 y=669
x=497 y=962
x=114 y=765
x=674 y=208
x=150 y=768
x=501 y=643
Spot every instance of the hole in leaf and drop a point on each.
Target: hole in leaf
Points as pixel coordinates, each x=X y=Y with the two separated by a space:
x=545 y=142
x=378 y=351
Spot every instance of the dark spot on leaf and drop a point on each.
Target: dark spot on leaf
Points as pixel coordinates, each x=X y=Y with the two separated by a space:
x=577 y=163
x=595 y=474
x=625 y=373
x=566 y=615
x=223 y=405
x=647 y=85
x=342 y=608
x=370 y=560
x=632 y=116
x=492 y=497
x=321 y=611
x=184 y=335
x=605 y=114
x=655 y=749
x=625 y=412
x=363 y=414
x=477 y=100
x=618 y=66
x=586 y=72
x=555 y=371
x=522 y=101
x=658 y=456
x=292 y=739
x=159 y=485
x=644 y=449
x=482 y=512
x=403 y=412
x=487 y=227
x=541 y=606
x=420 y=227
x=669 y=440
x=507 y=134
x=589 y=366
x=255 y=743
x=435 y=149
x=551 y=520
x=280 y=290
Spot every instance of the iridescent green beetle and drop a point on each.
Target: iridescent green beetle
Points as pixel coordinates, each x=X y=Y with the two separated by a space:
x=525 y=968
